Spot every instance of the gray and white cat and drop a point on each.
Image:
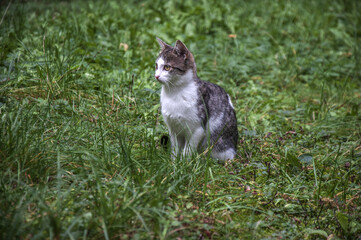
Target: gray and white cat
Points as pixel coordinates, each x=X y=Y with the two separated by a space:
x=198 y=114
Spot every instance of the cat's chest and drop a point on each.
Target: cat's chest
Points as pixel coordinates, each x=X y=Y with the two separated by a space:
x=180 y=106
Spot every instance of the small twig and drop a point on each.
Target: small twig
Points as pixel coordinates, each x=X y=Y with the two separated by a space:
x=47 y=72
x=176 y=230
x=69 y=71
x=112 y=107
x=44 y=44
x=6 y=10
x=94 y=56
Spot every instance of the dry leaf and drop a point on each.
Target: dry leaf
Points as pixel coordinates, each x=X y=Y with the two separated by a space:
x=256 y=78
x=124 y=46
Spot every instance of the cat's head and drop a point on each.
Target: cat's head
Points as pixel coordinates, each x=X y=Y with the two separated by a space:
x=174 y=64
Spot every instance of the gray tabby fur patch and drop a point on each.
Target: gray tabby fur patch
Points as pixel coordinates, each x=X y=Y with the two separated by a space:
x=199 y=114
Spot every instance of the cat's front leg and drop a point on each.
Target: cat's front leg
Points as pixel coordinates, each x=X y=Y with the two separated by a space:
x=177 y=144
x=174 y=145
x=192 y=144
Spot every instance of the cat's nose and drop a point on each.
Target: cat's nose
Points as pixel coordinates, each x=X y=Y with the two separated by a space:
x=157 y=77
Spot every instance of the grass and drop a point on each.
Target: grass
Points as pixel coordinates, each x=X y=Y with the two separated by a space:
x=80 y=124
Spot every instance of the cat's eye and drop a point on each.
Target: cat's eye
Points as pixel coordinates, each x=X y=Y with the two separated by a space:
x=167 y=67
x=156 y=66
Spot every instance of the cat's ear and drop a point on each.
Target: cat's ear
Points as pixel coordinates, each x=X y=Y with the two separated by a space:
x=162 y=44
x=181 y=48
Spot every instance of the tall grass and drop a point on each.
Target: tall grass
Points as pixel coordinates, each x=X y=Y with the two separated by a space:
x=80 y=124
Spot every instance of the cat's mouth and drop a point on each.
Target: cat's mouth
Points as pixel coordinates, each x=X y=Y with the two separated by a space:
x=159 y=80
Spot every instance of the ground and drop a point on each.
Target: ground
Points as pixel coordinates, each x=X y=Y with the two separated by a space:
x=80 y=124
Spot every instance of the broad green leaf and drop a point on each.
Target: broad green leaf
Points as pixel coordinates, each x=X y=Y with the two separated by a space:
x=305 y=158
x=343 y=220
x=319 y=232
x=293 y=160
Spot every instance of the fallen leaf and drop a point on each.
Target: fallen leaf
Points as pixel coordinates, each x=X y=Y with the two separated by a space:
x=124 y=46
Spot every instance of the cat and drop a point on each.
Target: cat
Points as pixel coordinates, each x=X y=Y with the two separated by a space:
x=199 y=114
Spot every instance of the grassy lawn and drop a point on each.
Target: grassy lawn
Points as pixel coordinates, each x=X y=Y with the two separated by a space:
x=80 y=126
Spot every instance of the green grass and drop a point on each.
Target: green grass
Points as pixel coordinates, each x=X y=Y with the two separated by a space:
x=80 y=128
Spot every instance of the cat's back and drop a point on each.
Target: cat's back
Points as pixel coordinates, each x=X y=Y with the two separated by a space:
x=214 y=98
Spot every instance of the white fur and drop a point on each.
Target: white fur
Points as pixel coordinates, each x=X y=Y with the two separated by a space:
x=225 y=155
x=179 y=109
x=172 y=82
x=159 y=70
x=230 y=102
x=215 y=122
